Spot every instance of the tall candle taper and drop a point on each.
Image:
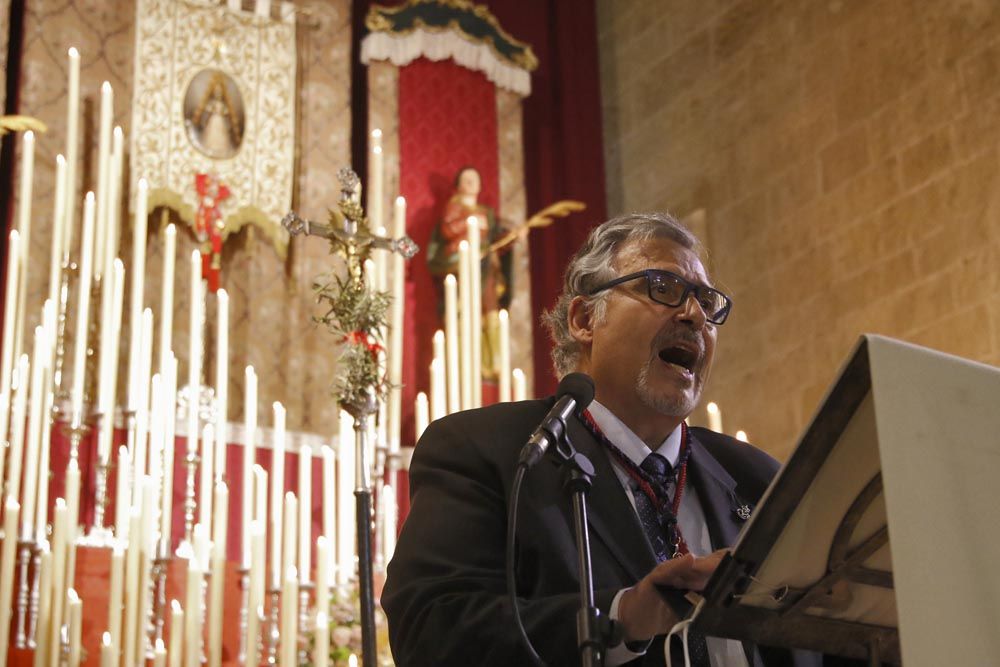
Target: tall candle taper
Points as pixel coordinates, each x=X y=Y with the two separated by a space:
x=176 y=652
x=504 y=372
x=111 y=321
x=205 y=490
x=58 y=230
x=219 y=530
x=396 y=326
x=83 y=309
x=476 y=311
x=137 y=279
x=422 y=416
x=72 y=146
x=103 y=175
x=167 y=294
x=222 y=375
x=24 y=228
x=346 y=527
x=17 y=429
x=375 y=171
x=10 y=312
x=277 y=492
x=465 y=320
x=519 y=385
x=33 y=445
x=451 y=342
x=169 y=426
x=249 y=458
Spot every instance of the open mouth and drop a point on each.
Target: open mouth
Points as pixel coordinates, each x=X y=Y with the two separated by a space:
x=682 y=359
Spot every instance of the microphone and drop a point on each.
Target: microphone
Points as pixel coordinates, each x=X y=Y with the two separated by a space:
x=575 y=392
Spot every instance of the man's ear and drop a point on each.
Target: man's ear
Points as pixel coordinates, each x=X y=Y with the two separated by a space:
x=580 y=320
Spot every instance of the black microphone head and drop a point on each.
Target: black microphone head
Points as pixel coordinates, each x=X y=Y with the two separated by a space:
x=580 y=387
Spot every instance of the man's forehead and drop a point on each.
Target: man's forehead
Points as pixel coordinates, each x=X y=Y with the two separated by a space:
x=661 y=253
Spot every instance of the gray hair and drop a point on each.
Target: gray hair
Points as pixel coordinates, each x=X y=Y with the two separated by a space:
x=594 y=264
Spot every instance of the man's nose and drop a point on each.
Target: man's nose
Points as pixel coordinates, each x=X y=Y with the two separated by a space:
x=691 y=311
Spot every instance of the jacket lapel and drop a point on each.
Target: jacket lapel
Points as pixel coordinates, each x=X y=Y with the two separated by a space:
x=609 y=511
x=717 y=493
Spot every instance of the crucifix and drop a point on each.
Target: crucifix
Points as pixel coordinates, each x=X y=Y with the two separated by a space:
x=356 y=315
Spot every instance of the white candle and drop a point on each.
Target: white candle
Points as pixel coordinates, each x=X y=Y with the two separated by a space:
x=130 y=632
x=17 y=429
x=159 y=654
x=222 y=375
x=73 y=515
x=451 y=342
x=42 y=504
x=255 y=589
x=43 y=628
x=75 y=627
x=72 y=146
x=520 y=390
x=207 y=476
x=10 y=313
x=167 y=295
x=122 y=496
x=58 y=229
x=249 y=458
x=345 y=500
x=321 y=650
x=476 y=310
x=305 y=512
x=24 y=228
x=504 y=372
x=219 y=530
x=83 y=309
x=277 y=491
x=111 y=317
x=59 y=547
x=107 y=651
x=375 y=171
x=289 y=590
x=156 y=406
x=177 y=635
x=137 y=278
x=114 y=197
x=32 y=449
x=714 y=417
x=169 y=427
x=115 y=593
x=438 y=403
x=103 y=175
x=142 y=410
x=329 y=494
x=288 y=642
x=8 y=557
x=289 y=535
x=323 y=559
x=465 y=321
x=422 y=417
x=396 y=327
x=192 y=619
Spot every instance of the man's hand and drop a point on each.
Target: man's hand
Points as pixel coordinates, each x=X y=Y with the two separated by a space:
x=642 y=611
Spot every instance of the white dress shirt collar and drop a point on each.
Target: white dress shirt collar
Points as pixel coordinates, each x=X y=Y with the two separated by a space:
x=628 y=442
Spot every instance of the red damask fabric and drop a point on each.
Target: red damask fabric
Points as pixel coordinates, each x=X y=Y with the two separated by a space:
x=447 y=120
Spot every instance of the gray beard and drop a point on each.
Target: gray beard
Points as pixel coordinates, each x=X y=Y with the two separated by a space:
x=679 y=406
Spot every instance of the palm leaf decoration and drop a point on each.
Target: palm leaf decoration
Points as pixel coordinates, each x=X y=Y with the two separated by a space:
x=20 y=124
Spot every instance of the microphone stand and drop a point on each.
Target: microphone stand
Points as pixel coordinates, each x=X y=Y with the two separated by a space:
x=594 y=631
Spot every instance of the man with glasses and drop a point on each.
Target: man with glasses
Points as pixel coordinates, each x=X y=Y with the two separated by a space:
x=639 y=314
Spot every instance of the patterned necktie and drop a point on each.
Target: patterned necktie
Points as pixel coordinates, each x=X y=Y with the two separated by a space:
x=658 y=528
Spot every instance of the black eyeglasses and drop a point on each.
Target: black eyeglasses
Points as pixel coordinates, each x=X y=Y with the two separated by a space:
x=672 y=290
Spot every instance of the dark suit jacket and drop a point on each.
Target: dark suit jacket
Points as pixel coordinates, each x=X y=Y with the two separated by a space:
x=445 y=595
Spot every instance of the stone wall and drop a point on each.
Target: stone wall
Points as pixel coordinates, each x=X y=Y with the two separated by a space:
x=845 y=156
